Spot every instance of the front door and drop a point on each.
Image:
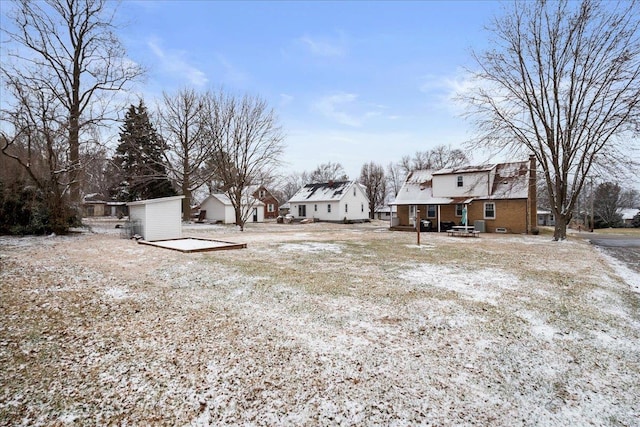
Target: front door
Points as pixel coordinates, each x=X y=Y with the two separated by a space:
x=302 y=211
x=255 y=214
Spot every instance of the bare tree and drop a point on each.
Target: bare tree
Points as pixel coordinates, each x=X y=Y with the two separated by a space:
x=395 y=177
x=630 y=198
x=68 y=49
x=562 y=82
x=182 y=124
x=291 y=184
x=329 y=171
x=247 y=145
x=439 y=157
x=606 y=205
x=372 y=177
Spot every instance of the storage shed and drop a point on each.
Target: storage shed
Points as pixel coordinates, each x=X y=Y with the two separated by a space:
x=157 y=219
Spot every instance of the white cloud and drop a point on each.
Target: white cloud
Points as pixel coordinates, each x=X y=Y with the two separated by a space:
x=285 y=100
x=443 y=90
x=231 y=72
x=323 y=47
x=344 y=109
x=173 y=62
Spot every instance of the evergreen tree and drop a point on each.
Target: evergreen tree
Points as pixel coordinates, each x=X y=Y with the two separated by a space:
x=139 y=159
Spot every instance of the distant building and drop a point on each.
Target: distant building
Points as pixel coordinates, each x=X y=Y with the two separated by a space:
x=331 y=201
x=271 y=204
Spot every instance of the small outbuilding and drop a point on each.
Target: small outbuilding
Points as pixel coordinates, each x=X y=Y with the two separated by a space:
x=220 y=209
x=157 y=219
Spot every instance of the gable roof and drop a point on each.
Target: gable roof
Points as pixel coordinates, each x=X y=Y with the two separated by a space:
x=417 y=190
x=511 y=181
x=224 y=199
x=331 y=191
x=627 y=214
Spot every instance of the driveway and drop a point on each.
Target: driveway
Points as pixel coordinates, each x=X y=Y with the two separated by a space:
x=623 y=247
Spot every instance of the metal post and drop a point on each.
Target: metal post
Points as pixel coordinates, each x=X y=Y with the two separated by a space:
x=418 y=224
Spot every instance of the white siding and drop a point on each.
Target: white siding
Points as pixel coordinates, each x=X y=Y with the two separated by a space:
x=355 y=203
x=160 y=219
x=137 y=215
x=164 y=220
x=474 y=184
x=215 y=210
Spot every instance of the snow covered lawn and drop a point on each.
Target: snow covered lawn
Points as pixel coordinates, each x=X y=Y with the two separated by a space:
x=317 y=324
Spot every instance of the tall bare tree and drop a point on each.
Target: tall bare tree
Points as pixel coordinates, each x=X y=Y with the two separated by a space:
x=395 y=178
x=182 y=124
x=247 y=145
x=329 y=171
x=68 y=49
x=438 y=157
x=372 y=177
x=562 y=81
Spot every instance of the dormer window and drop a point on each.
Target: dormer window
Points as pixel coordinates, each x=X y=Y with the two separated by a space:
x=460 y=181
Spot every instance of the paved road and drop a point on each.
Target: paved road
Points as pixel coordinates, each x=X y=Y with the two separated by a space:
x=624 y=248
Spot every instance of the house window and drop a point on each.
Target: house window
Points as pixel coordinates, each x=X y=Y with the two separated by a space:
x=361 y=207
x=354 y=191
x=328 y=208
x=315 y=208
x=431 y=211
x=262 y=194
x=459 y=208
x=460 y=181
x=489 y=210
x=302 y=210
x=346 y=207
x=271 y=207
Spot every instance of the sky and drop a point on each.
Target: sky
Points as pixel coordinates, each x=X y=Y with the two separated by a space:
x=350 y=82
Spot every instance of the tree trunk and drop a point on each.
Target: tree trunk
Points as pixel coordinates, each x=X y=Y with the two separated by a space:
x=560 y=230
x=186 y=204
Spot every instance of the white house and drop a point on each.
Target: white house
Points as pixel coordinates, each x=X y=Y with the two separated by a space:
x=219 y=208
x=157 y=219
x=331 y=201
x=627 y=215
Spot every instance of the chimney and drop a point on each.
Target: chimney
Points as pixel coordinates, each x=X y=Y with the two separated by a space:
x=532 y=220
x=330 y=183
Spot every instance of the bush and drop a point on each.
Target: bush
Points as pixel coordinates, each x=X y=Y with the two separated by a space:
x=24 y=209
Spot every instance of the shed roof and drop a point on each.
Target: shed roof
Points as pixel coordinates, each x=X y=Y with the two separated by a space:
x=151 y=201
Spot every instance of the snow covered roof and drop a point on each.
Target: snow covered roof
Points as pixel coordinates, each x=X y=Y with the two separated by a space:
x=627 y=213
x=331 y=191
x=224 y=199
x=465 y=169
x=417 y=190
x=151 y=201
x=511 y=181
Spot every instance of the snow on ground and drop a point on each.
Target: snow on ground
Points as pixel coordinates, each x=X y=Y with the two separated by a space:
x=316 y=324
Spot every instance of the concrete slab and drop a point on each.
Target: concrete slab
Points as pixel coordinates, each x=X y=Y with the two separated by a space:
x=193 y=244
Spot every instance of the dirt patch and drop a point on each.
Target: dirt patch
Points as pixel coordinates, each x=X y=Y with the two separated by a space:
x=316 y=324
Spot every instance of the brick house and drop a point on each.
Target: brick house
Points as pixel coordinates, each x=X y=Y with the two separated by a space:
x=271 y=204
x=498 y=197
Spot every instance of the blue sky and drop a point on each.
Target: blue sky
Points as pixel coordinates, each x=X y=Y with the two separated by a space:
x=351 y=82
